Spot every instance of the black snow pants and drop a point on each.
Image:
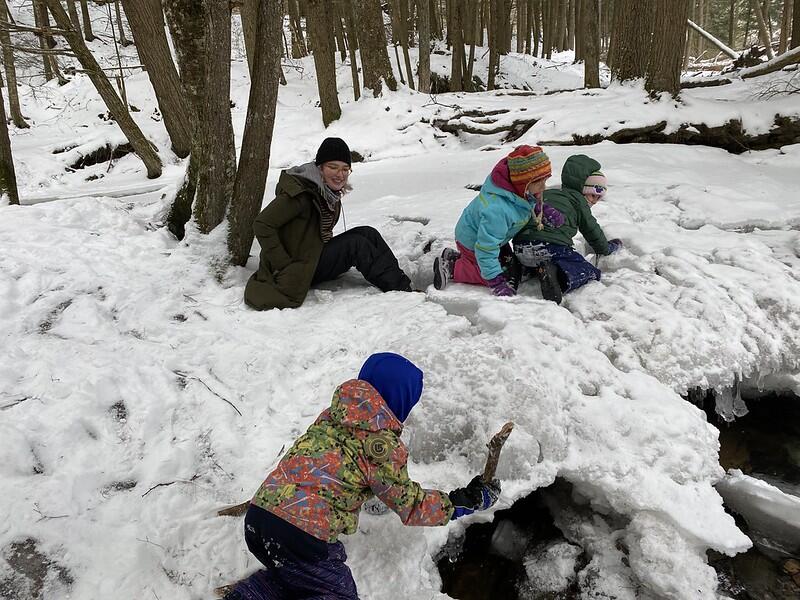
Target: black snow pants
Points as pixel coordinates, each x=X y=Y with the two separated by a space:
x=364 y=249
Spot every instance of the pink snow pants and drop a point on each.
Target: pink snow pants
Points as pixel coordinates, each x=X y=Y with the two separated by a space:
x=466 y=269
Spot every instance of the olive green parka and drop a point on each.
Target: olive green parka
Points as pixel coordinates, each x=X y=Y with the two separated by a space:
x=573 y=205
x=289 y=232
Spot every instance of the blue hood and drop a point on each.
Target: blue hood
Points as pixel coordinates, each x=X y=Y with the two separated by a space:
x=397 y=379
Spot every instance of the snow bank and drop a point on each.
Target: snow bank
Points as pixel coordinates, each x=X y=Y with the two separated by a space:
x=139 y=394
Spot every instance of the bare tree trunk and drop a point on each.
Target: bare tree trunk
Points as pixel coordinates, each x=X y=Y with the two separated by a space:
x=424 y=28
x=338 y=30
x=403 y=30
x=147 y=24
x=73 y=14
x=8 y=177
x=38 y=10
x=251 y=176
x=88 y=35
x=786 y=24
x=571 y=25
x=141 y=145
x=795 y=25
x=372 y=43
x=495 y=30
x=320 y=26
x=633 y=38
x=299 y=47
x=248 y=12
x=352 y=44
x=201 y=35
x=11 y=71
x=455 y=30
x=537 y=26
x=520 y=27
x=762 y=28
x=124 y=41
x=666 y=54
x=731 y=23
x=590 y=22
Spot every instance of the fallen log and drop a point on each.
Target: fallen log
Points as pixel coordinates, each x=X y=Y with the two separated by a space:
x=730 y=136
x=776 y=64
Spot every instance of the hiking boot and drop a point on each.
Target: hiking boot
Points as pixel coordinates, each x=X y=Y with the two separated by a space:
x=513 y=271
x=547 y=273
x=443 y=267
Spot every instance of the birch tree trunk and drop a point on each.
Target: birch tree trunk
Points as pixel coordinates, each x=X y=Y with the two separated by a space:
x=141 y=145
x=8 y=177
x=147 y=24
x=251 y=176
x=320 y=26
x=11 y=71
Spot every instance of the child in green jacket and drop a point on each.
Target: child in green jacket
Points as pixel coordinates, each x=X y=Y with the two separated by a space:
x=547 y=249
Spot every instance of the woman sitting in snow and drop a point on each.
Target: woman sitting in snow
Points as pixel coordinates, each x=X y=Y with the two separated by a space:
x=351 y=453
x=495 y=215
x=546 y=247
x=295 y=231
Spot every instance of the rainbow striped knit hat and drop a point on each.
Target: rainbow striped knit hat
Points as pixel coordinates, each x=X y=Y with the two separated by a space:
x=526 y=164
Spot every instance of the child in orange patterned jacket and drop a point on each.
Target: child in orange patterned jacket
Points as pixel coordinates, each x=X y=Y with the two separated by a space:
x=351 y=453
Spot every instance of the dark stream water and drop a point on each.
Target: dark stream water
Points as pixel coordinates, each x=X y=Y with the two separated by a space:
x=765 y=444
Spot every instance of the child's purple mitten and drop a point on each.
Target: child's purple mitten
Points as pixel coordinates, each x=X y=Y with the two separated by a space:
x=500 y=286
x=552 y=216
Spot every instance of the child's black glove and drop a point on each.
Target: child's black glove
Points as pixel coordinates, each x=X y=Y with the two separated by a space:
x=478 y=495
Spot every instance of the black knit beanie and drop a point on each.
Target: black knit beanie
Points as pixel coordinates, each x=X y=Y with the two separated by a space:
x=333 y=149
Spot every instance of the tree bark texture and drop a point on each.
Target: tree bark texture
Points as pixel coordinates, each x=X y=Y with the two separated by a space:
x=248 y=13
x=201 y=36
x=632 y=39
x=372 y=42
x=786 y=25
x=320 y=27
x=11 y=71
x=251 y=176
x=424 y=28
x=147 y=24
x=8 y=177
x=795 y=25
x=455 y=28
x=589 y=31
x=39 y=10
x=141 y=145
x=88 y=34
x=666 y=53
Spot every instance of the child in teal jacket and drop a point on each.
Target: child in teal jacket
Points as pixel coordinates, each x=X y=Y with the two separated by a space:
x=488 y=223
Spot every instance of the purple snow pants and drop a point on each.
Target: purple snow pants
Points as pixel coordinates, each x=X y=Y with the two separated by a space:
x=298 y=566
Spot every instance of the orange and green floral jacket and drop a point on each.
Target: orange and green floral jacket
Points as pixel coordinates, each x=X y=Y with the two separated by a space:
x=351 y=452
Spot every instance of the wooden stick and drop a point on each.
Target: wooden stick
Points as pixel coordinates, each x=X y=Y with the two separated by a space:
x=237 y=510
x=495 y=445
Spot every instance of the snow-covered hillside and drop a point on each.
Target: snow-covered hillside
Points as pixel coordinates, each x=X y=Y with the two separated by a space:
x=138 y=393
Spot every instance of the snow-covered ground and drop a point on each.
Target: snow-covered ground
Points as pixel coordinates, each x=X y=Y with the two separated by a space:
x=138 y=393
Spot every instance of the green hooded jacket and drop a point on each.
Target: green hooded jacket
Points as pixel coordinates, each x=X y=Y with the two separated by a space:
x=289 y=232
x=573 y=205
